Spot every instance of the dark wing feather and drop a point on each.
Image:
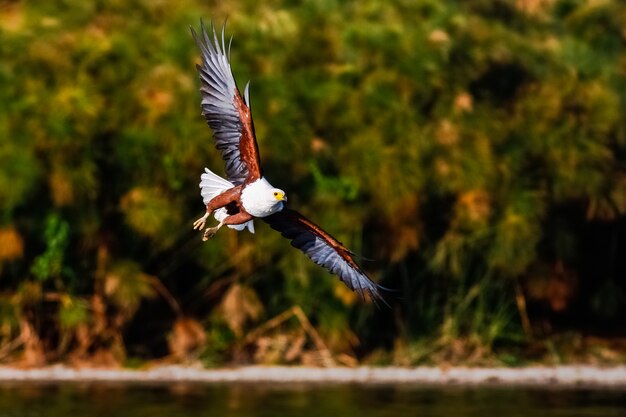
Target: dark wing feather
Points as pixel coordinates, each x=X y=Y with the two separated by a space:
x=225 y=111
x=324 y=250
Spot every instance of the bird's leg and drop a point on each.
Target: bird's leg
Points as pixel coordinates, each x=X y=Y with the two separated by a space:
x=209 y=232
x=238 y=218
x=217 y=202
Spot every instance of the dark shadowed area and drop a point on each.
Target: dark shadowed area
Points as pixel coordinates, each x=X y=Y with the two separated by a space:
x=191 y=400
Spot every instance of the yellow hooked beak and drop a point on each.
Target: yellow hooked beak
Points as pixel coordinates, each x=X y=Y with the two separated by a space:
x=280 y=196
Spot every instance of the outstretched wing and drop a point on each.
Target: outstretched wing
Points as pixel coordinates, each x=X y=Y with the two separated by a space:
x=324 y=250
x=225 y=111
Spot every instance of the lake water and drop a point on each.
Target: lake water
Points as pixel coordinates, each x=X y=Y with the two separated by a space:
x=263 y=399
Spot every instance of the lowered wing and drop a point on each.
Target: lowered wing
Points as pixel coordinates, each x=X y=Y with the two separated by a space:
x=324 y=250
x=225 y=111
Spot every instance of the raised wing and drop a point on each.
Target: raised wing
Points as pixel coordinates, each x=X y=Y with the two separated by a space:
x=225 y=111
x=324 y=250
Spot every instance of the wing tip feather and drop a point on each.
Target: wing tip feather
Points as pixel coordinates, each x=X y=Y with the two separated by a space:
x=246 y=95
x=293 y=226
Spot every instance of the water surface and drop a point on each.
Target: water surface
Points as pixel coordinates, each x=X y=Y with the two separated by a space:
x=76 y=399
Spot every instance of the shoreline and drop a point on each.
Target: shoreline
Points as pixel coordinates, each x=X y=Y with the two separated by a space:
x=558 y=376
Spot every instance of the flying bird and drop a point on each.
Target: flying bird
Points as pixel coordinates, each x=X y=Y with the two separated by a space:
x=246 y=194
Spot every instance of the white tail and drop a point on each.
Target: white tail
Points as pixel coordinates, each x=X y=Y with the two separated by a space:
x=212 y=185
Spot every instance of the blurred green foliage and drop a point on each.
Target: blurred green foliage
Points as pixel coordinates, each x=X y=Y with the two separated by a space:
x=476 y=150
x=50 y=263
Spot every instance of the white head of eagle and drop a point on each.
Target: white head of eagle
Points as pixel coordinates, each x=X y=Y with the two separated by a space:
x=260 y=199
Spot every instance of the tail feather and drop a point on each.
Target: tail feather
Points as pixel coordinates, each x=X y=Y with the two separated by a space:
x=212 y=185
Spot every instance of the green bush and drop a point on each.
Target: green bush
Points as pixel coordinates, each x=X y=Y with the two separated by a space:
x=474 y=149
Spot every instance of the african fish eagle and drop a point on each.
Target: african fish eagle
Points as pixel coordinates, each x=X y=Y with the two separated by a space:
x=246 y=193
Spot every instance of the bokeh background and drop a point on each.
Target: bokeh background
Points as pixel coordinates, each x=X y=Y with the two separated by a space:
x=474 y=151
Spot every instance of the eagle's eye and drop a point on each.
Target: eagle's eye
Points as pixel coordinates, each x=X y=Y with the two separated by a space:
x=279 y=196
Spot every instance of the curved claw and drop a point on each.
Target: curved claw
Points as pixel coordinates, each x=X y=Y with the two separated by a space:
x=201 y=222
x=211 y=231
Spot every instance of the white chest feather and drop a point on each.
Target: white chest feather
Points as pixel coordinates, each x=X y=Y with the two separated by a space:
x=258 y=200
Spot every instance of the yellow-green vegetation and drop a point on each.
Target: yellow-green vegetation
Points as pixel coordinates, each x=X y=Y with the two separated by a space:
x=475 y=150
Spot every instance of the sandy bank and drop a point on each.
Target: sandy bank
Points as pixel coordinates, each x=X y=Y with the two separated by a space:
x=543 y=376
